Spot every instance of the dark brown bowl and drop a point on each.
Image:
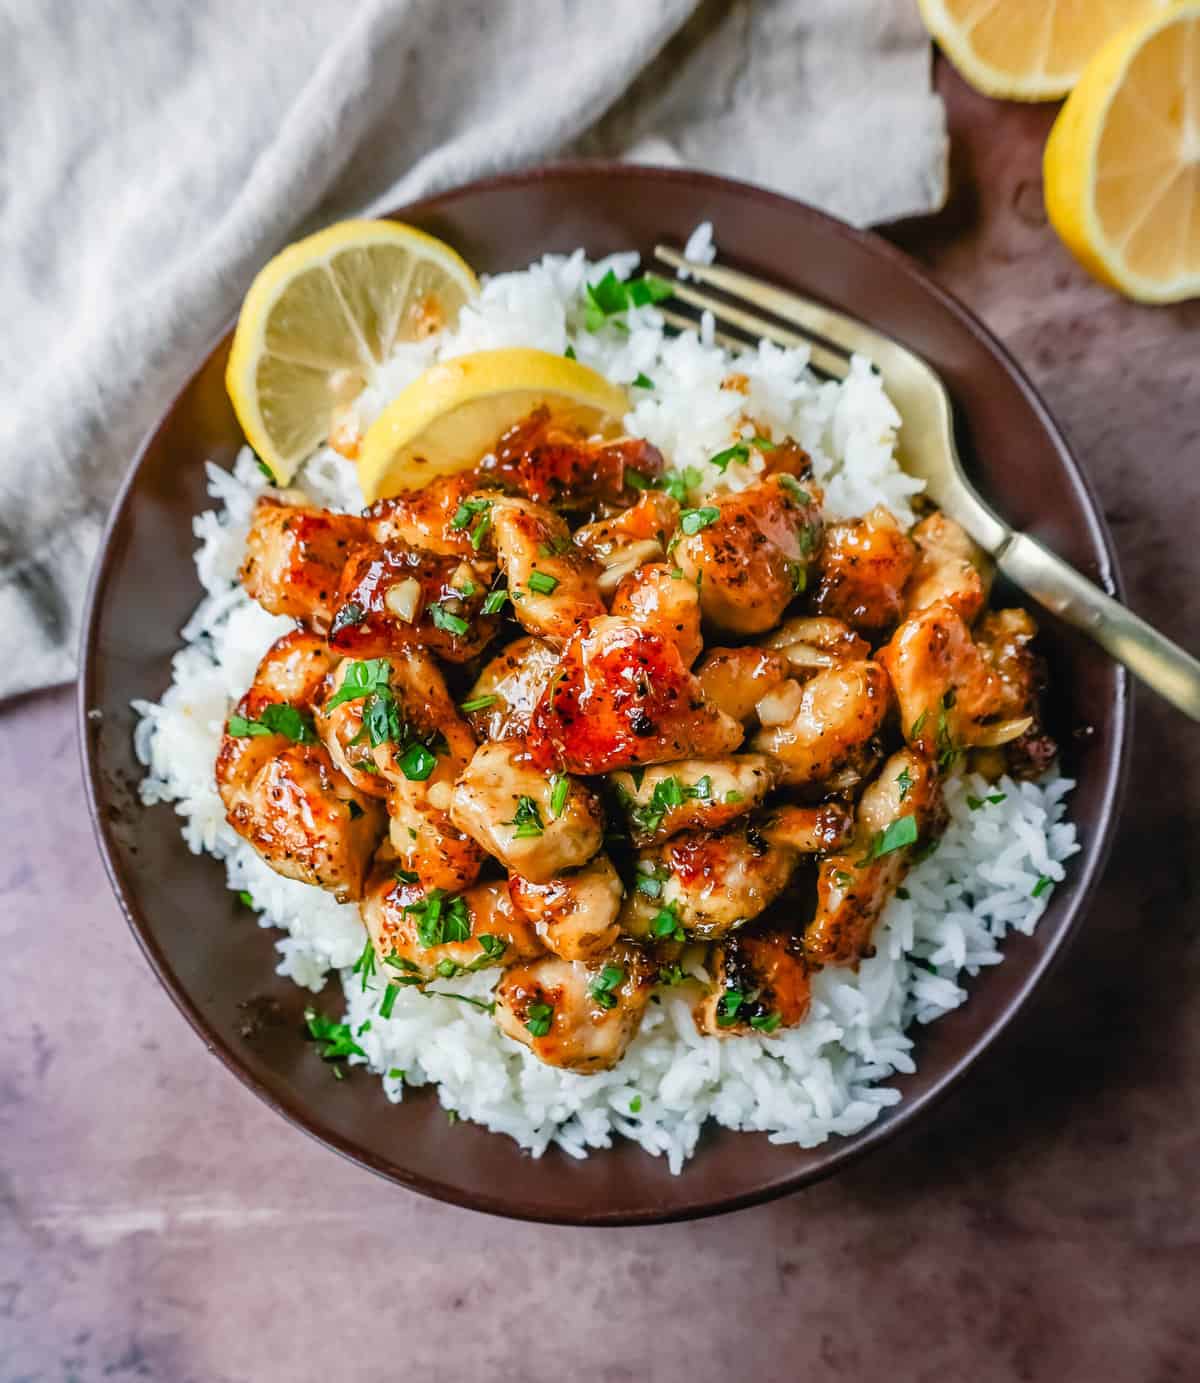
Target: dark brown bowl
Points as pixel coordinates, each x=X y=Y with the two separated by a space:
x=219 y=967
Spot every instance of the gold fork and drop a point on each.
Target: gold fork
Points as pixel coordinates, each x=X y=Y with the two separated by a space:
x=927 y=450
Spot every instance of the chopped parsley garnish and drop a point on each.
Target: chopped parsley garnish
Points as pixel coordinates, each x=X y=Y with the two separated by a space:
x=766 y=1022
x=336 y=1037
x=527 y=820
x=467 y=589
x=671 y=975
x=738 y=452
x=417 y=762
x=842 y=879
x=904 y=781
x=276 y=719
x=492 y=945
x=538 y=1018
x=1043 y=883
x=636 y=480
x=798 y=573
x=368 y=682
x=601 y=988
x=649 y=885
x=570 y=352
x=794 y=488
x=610 y=297
x=440 y=919
x=480 y=703
x=727 y=1007
x=347 y=616
x=668 y=793
x=494 y=601
x=401 y=962
x=995 y=798
x=397 y=1073
x=542 y=582
x=246 y=900
x=450 y=622
x=389 y=1000
x=468 y=511
x=678 y=483
x=635 y=1105
x=365 y=964
x=404 y=876
x=763 y=443
x=733 y=796
x=560 y=786
x=665 y=924
x=693 y=520
x=948 y=751
x=918 y=724
x=643 y=381
x=895 y=836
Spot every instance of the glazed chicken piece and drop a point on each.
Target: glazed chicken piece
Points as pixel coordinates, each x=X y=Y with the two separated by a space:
x=527 y=820
x=950 y=567
x=655 y=599
x=575 y=914
x=622 y=543
x=697 y=794
x=901 y=808
x=735 y=680
x=622 y=696
x=398 y=596
x=500 y=704
x=950 y=696
x=810 y=643
x=824 y=730
x=280 y=788
x=552 y=584
x=760 y=984
x=421 y=936
x=294 y=559
x=864 y=566
x=751 y=552
x=575 y=1014
x=709 y=884
x=392 y=727
x=553 y=464
x=1004 y=638
x=436 y=518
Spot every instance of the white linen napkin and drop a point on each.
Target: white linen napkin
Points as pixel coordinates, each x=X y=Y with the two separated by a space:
x=154 y=156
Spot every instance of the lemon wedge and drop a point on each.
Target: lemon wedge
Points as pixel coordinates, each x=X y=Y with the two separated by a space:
x=449 y=417
x=1026 y=50
x=322 y=317
x=1122 y=165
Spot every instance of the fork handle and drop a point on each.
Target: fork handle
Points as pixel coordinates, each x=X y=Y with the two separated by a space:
x=1159 y=663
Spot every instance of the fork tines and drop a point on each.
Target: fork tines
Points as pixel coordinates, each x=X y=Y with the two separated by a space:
x=799 y=314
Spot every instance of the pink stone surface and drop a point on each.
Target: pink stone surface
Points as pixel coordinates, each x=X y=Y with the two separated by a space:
x=158 y=1222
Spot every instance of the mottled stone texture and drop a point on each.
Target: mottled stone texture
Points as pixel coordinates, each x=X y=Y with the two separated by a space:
x=158 y=1222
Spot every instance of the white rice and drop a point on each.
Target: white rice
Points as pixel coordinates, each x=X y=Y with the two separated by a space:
x=826 y=1076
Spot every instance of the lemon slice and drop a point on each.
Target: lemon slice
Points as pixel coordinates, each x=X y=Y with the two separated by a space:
x=450 y=416
x=1122 y=165
x=322 y=317
x=1026 y=50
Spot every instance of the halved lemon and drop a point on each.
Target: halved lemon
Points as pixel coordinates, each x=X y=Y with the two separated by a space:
x=449 y=417
x=1122 y=165
x=1026 y=50
x=322 y=317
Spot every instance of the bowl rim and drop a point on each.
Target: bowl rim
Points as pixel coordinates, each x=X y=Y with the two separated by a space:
x=843 y=1152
